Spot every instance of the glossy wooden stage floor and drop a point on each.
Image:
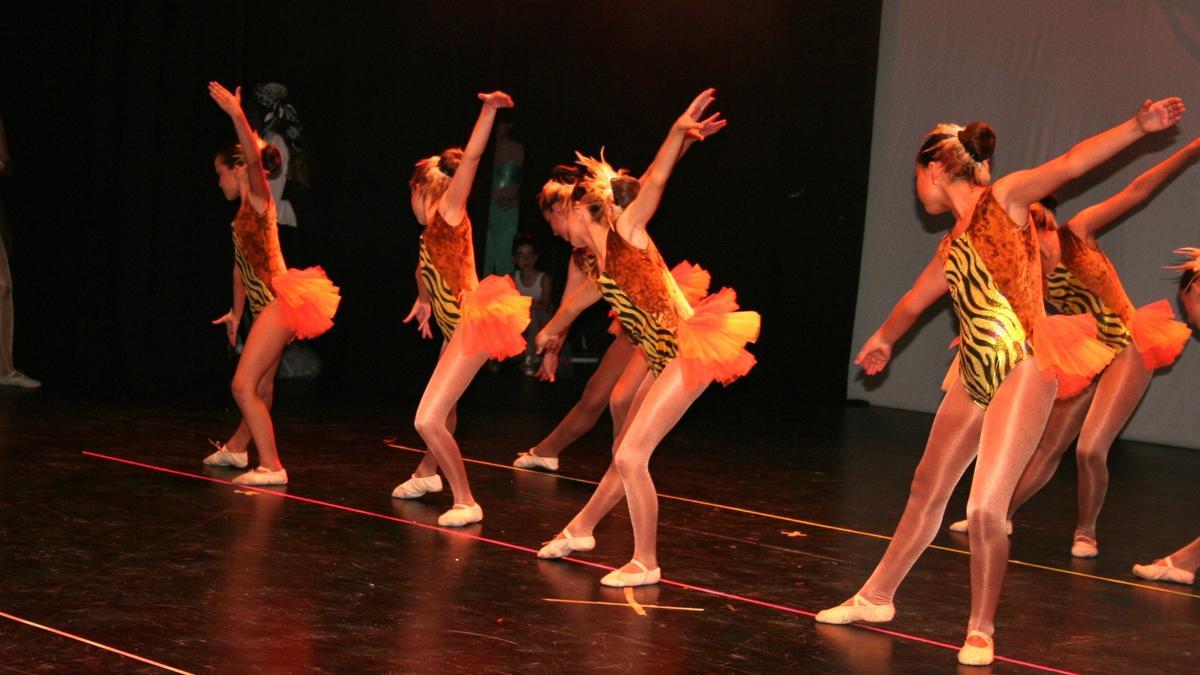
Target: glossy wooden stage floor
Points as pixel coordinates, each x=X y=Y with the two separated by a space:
x=117 y=545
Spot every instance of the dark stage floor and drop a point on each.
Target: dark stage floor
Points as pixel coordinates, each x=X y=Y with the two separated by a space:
x=141 y=551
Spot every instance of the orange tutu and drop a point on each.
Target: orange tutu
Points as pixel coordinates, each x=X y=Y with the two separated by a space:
x=1159 y=338
x=494 y=318
x=1065 y=347
x=308 y=300
x=693 y=281
x=712 y=343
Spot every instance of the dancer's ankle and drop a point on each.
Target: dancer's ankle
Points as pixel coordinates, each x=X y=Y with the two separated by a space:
x=650 y=563
x=873 y=597
x=545 y=453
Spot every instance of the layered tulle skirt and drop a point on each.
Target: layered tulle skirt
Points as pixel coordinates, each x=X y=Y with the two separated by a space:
x=307 y=299
x=712 y=342
x=494 y=318
x=1159 y=338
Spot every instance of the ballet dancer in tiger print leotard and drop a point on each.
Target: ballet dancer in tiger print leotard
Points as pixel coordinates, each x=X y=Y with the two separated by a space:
x=478 y=319
x=684 y=347
x=1086 y=283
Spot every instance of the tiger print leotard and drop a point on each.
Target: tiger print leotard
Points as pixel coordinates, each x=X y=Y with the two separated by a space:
x=447 y=269
x=257 y=254
x=994 y=275
x=1085 y=282
x=644 y=296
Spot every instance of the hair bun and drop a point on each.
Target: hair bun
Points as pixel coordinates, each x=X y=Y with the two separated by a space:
x=625 y=189
x=565 y=174
x=448 y=163
x=979 y=141
x=272 y=160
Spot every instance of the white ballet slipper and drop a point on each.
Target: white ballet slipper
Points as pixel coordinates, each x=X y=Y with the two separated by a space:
x=561 y=547
x=1165 y=572
x=261 y=476
x=1084 y=547
x=223 y=457
x=528 y=460
x=460 y=515
x=859 y=609
x=418 y=486
x=970 y=655
x=645 y=577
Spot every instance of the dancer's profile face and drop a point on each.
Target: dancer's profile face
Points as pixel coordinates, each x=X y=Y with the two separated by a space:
x=557 y=217
x=418 y=205
x=932 y=198
x=227 y=179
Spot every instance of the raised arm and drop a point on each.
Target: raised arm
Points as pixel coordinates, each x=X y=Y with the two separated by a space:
x=1091 y=220
x=1021 y=188
x=453 y=203
x=707 y=128
x=231 y=103
x=632 y=223
x=930 y=285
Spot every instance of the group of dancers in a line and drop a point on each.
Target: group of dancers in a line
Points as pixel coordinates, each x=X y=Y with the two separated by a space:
x=1024 y=382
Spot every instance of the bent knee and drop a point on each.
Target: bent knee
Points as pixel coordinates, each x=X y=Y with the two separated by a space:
x=426 y=423
x=628 y=462
x=1091 y=455
x=243 y=388
x=987 y=518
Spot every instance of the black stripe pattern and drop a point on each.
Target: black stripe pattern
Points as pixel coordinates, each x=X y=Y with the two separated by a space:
x=1068 y=295
x=656 y=342
x=446 y=310
x=258 y=293
x=992 y=340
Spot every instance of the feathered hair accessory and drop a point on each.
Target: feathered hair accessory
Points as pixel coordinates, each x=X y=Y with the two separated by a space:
x=600 y=175
x=1192 y=265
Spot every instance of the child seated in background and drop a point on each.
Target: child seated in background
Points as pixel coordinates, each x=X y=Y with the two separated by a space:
x=535 y=284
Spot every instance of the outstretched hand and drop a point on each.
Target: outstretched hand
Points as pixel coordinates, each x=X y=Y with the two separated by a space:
x=421 y=311
x=231 y=103
x=691 y=123
x=874 y=355
x=497 y=99
x=1155 y=116
x=231 y=326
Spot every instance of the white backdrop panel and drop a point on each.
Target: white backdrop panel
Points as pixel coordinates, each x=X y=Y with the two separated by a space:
x=1044 y=75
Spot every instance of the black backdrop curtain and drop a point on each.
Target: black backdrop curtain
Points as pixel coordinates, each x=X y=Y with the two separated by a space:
x=122 y=252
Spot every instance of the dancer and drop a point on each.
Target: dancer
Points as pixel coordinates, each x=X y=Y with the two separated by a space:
x=1180 y=567
x=1013 y=358
x=288 y=304
x=1142 y=340
x=685 y=347
x=478 y=319
x=614 y=382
